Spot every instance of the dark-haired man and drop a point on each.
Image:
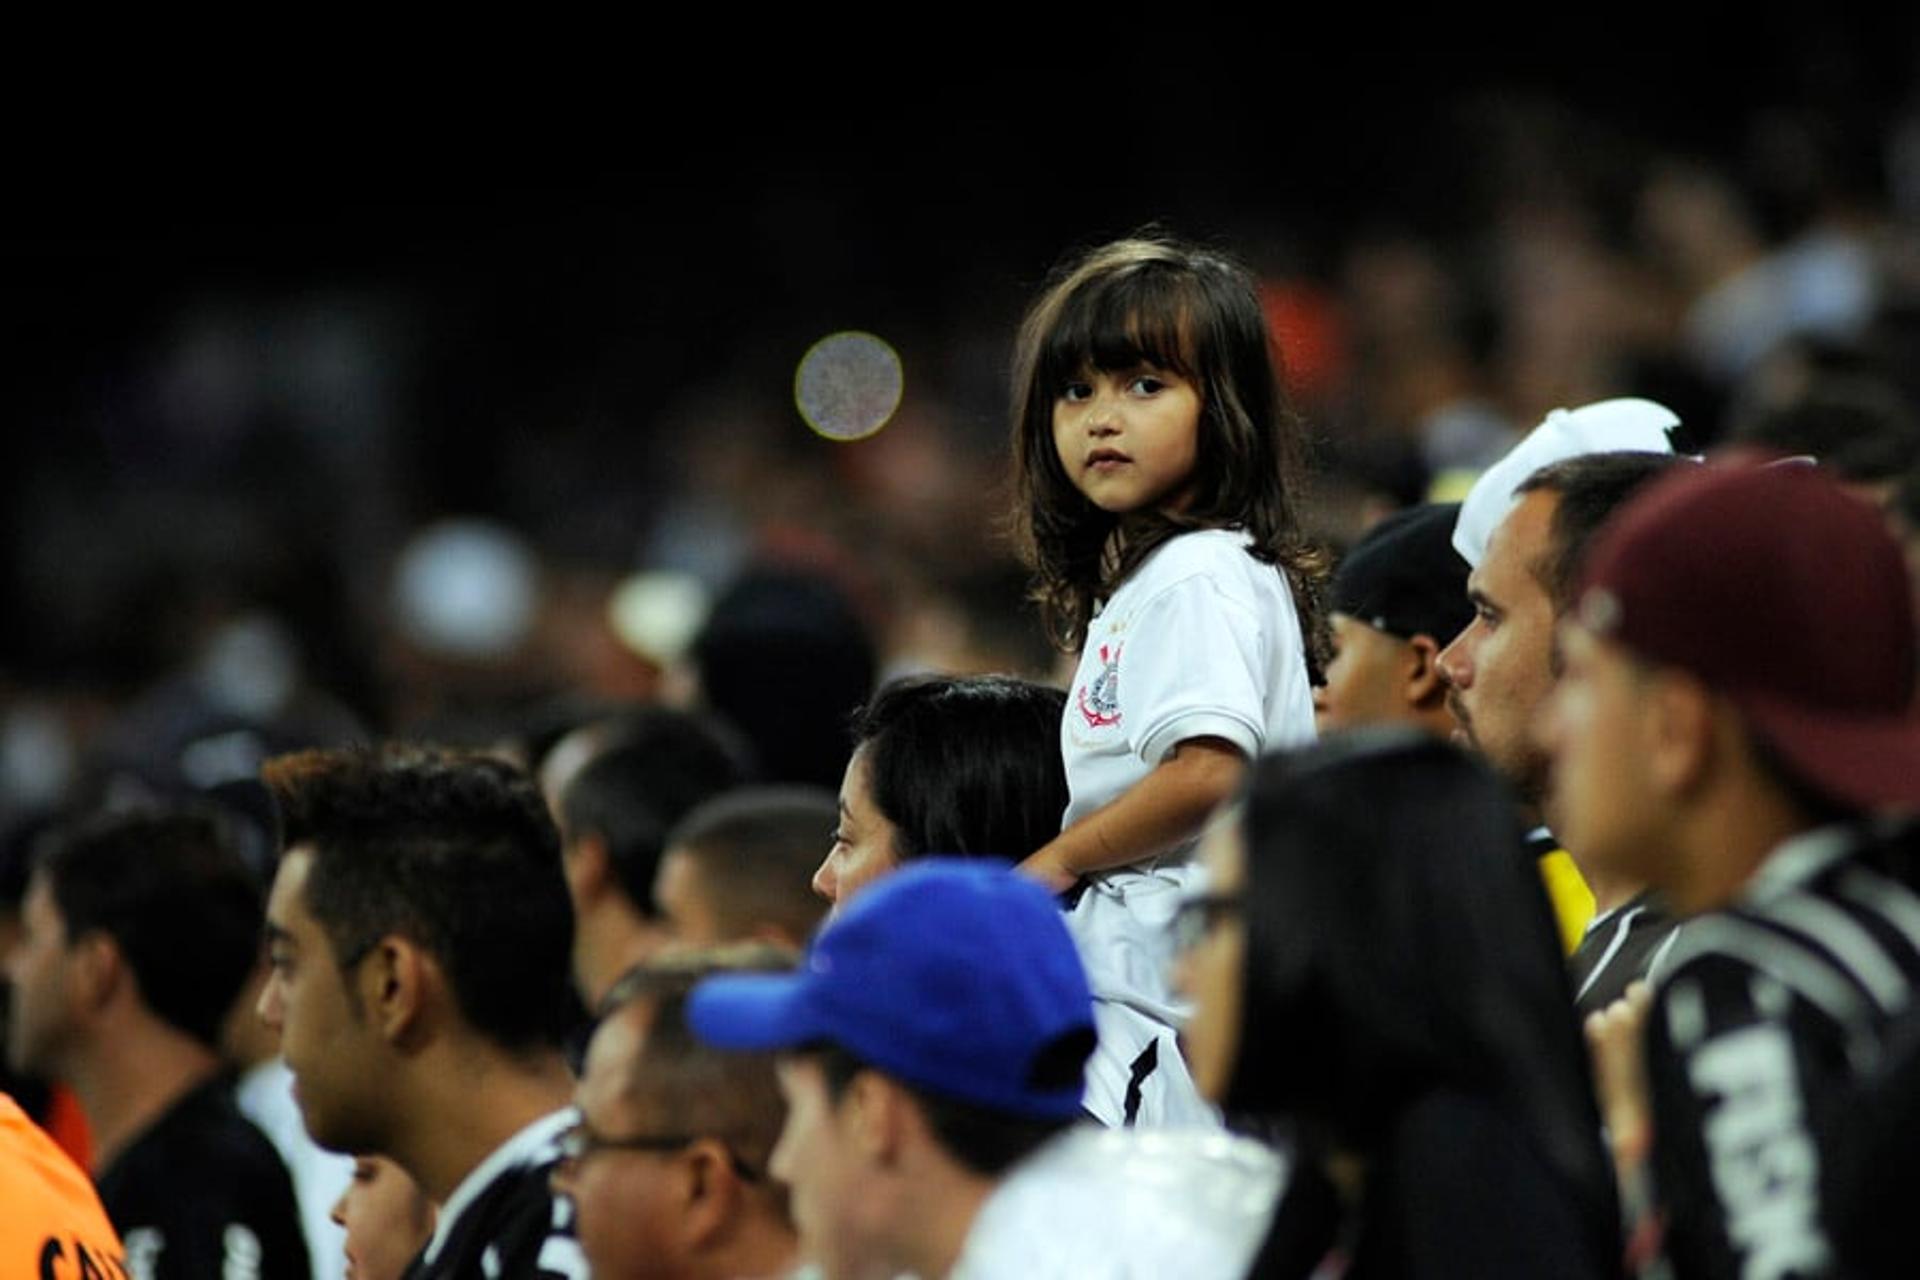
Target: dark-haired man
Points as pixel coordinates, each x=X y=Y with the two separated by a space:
x=643 y=773
x=667 y=1168
x=418 y=930
x=138 y=931
x=1501 y=670
x=1400 y=595
x=740 y=868
x=933 y=1042
x=1737 y=703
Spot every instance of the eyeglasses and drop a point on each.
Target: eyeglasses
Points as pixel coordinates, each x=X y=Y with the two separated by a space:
x=1199 y=916
x=579 y=1142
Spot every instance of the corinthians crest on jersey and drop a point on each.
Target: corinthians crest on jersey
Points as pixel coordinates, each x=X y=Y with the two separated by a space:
x=1099 y=699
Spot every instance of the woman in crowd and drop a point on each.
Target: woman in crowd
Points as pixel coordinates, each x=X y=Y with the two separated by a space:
x=954 y=765
x=388 y=1219
x=1375 y=962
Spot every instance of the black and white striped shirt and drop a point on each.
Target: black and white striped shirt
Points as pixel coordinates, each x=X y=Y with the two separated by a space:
x=1621 y=947
x=1767 y=1015
x=504 y=1221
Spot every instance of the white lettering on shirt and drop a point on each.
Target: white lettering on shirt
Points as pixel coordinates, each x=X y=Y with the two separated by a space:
x=144 y=1246
x=240 y=1253
x=1765 y=1170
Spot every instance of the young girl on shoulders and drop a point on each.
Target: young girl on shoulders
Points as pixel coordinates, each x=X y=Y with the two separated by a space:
x=1157 y=468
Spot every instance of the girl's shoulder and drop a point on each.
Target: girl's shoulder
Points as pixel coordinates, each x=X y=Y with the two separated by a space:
x=1218 y=562
x=1225 y=555
x=1200 y=549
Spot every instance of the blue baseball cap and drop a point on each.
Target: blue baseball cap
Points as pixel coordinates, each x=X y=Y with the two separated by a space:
x=954 y=975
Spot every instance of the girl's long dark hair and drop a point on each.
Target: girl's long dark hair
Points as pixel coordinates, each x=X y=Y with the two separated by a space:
x=1192 y=311
x=1399 y=943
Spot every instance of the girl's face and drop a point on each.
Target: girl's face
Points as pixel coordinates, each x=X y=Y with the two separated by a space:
x=1128 y=439
x=863 y=848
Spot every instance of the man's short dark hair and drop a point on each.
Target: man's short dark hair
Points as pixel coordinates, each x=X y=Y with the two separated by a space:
x=657 y=764
x=984 y=1141
x=173 y=891
x=757 y=849
x=455 y=852
x=693 y=1088
x=967 y=766
x=1590 y=489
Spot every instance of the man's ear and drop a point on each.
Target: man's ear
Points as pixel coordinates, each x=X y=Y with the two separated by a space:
x=878 y=1114
x=397 y=983
x=1681 y=731
x=99 y=969
x=709 y=1191
x=588 y=866
x=1421 y=683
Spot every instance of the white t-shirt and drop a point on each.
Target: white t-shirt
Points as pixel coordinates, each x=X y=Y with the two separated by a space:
x=1202 y=641
x=1095 y=1202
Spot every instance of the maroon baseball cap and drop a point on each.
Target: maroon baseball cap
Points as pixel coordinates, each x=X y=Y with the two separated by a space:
x=1786 y=594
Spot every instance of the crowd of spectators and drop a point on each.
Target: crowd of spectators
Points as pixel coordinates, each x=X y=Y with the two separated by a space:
x=470 y=895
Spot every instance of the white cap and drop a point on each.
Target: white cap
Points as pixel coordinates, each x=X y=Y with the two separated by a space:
x=1606 y=426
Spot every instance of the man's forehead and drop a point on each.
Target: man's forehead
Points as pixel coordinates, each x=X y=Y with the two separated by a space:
x=798 y=1068
x=565 y=762
x=615 y=1079
x=1344 y=624
x=1357 y=636
x=39 y=900
x=287 y=897
x=611 y=1053
x=678 y=875
x=1516 y=547
x=293 y=864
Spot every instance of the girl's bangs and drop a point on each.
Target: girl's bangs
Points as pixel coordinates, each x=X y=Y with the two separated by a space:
x=1120 y=322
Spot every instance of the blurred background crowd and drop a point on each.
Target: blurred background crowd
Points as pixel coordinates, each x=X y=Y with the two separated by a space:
x=436 y=440
x=275 y=420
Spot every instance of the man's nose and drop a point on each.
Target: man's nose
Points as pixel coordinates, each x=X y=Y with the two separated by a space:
x=1455 y=661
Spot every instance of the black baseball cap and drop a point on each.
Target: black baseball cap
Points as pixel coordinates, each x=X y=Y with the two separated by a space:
x=1405 y=578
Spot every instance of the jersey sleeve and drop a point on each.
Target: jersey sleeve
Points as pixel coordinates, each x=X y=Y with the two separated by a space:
x=1196 y=668
x=1739 y=1069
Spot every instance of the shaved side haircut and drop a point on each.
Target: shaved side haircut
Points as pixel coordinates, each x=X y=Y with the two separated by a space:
x=687 y=1086
x=756 y=850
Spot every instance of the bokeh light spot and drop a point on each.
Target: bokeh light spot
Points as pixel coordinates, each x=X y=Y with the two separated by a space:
x=848 y=385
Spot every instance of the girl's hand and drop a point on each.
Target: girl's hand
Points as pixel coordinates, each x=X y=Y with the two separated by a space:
x=1049 y=871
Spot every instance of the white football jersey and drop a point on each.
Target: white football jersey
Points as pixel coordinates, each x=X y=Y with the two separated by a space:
x=1202 y=641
